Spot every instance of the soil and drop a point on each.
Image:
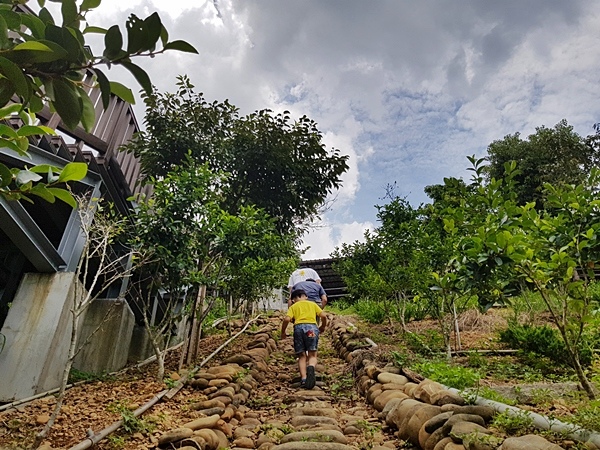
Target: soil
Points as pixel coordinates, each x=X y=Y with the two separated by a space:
x=92 y=406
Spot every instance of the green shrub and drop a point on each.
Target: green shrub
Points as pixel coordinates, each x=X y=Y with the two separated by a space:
x=218 y=310
x=371 y=311
x=541 y=340
x=546 y=341
x=587 y=417
x=450 y=375
x=513 y=422
x=427 y=343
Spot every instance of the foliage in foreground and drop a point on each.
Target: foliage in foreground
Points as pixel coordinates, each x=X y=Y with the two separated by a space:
x=44 y=61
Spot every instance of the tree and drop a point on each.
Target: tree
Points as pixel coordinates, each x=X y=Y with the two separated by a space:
x=550 y=155
x=178 y=227
x=195 y=245
x=553 y=250
x=44 y=62
x=557 y=255
x=277 y=165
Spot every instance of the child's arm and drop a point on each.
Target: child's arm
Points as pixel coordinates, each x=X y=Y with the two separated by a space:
x=323 y=317
x=284 y=325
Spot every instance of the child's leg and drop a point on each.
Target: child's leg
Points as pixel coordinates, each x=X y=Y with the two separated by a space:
x=312 y=358
x=302 y=365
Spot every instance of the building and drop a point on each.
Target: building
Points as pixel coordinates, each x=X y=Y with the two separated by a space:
x=40 y=246
x=331 y=281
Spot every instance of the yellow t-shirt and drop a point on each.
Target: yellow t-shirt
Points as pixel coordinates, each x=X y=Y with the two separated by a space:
x=304 y=311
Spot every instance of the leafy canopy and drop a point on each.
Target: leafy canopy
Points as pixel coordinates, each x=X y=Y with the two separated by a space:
x=273 y=163
x=550 y=155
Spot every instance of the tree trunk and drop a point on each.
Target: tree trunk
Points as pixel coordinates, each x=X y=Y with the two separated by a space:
x=585 y=383
x=456 y=328
x=39 y=438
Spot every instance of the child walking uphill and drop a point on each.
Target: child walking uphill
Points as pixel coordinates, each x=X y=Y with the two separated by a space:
x=306 y=334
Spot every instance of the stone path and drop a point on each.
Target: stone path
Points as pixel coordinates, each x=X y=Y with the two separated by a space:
x=253 y=401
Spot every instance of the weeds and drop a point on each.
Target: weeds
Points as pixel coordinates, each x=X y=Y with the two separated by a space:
x=241 y=375
x=116 y=441
x=587 y=417
x=170 y=382
x=541 y=397
x=260 y=402
x=450 y=375
x=483 y=391
x=513 y=422
x=342 y=385
x=367 y=428
x=77 y=375
x=131 y=424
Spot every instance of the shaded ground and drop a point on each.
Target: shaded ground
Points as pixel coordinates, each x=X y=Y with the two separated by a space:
x=97 y=404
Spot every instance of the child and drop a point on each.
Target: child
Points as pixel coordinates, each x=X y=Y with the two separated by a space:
x=306 y=334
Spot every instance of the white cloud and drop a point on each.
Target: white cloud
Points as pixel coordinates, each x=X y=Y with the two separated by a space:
x=407 y=91
x=326 y=236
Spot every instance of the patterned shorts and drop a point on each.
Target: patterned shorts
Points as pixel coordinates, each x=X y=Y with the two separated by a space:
x=306 y=337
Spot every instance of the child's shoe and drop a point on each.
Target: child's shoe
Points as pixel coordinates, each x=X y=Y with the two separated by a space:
x=310 y=377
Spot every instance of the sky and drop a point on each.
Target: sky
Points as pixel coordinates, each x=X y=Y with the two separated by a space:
x=406 y=89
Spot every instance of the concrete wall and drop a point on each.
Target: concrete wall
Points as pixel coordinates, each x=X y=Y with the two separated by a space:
x=277 y=301
x=105 y=334
x=38 y=331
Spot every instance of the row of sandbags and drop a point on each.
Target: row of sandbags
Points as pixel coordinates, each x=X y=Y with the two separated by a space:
x=225 y=388
x=424 y=412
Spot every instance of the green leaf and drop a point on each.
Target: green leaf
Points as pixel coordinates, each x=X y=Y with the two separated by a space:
x=164 y=35
x=45 y=16
x=66 y=40
x=9 y=110
x=13 y=19
x=104 y=84
x=64 y=195
x=154 y=28
x=10 y=132
x=42 y=191
x=7 y=89
x=137 y=35
x=67 y=102
x=181 y=46
x=4 y=41
x=70 y=14
x=44 y=168
x=88 y=117
x=113 y=42
x=123 y=92
x=32 y=45
x=34 y=24
x=14 y=73
x=11 y=145
x=98 y=30
x=35 y=104
x=74 y=171
x=34 y=130
x=86 y=5
x=26 y=176
x=140 y=75
x=5 y=176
